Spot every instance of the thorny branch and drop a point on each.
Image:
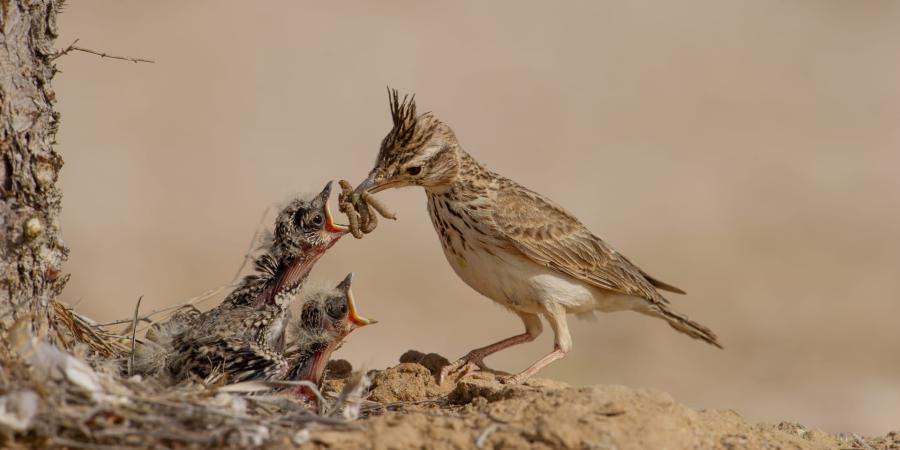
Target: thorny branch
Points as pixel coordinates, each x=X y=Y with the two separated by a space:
x=73 y=47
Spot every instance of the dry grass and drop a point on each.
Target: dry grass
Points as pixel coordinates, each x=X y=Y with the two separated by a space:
x=67 y=387
x=64 y=387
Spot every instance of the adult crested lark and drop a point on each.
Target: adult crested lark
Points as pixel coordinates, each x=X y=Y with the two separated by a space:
x=512 y=244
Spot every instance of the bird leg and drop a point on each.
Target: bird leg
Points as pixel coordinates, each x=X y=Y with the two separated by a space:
x=562 y=344
x=474 y=360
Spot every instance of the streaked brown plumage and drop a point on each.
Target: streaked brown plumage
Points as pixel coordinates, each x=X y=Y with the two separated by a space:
x=327 y=316
x=512 y=244
x=254 y=316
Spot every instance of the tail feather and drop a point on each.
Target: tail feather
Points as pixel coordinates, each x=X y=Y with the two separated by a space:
x=152 y=353
x=659 y=284
x=687 y=326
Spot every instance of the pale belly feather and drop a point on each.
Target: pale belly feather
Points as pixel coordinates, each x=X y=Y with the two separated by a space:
x=521 y=285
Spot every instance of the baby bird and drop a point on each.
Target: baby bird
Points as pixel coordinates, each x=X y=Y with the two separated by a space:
x=327 y=317
x=511 y=244
x=304 y=230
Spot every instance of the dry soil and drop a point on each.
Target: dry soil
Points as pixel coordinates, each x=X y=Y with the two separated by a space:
x=481 y=412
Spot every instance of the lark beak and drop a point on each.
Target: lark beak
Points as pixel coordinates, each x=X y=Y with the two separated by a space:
x=354 y=316
x=330 y=225
x=373 y=184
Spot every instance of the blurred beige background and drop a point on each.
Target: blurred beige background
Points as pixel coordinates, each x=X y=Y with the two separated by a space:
x=748 y=152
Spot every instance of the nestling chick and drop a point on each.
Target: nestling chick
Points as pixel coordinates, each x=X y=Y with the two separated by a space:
x=304 y=230
x=327 y=317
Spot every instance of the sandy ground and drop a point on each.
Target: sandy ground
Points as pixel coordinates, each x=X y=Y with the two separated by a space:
x=481 y=412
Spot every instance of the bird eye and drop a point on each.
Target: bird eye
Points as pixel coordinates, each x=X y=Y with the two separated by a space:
x=414 y=170
x=337 y=309
x=317 y=220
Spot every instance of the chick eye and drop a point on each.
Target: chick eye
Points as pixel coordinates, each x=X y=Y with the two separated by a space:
x=414 y=170
x=337 y=310
x=317 y=220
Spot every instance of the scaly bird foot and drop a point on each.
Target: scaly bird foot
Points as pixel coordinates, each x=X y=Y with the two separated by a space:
x=462 y=367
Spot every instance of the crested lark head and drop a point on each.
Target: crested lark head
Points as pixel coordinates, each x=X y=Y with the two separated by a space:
x=420 y=150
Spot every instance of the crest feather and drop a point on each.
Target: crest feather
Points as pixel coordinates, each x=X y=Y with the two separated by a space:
x=403 y=114
x=410 y=129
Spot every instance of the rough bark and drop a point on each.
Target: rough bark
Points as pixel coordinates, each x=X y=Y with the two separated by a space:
x=31 y=249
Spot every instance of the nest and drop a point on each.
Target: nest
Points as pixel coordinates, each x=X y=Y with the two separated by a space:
x=67 y=386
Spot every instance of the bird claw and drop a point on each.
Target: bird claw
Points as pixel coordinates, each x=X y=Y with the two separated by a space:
x=360 y=209
x=462 y=367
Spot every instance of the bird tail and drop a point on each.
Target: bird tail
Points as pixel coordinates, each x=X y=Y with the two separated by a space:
x=685 y=325
x=151 y=353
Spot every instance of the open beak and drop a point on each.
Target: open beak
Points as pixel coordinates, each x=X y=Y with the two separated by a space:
x=330 y=225
x=357 y=319
x=353 y=315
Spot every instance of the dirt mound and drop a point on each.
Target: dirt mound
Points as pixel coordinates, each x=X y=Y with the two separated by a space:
x=481 y=412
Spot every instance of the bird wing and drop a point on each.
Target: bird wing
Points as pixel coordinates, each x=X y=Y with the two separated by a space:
x=225 y=341
x=244 y=361
x=550 y=236
x=238 y=358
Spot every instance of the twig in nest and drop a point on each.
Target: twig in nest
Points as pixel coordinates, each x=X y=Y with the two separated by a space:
x=73 y=47
x=247 y=255
x=192 y=301
x=85 y=330
x=266 y=385
x=360 y=208
x=137 y=308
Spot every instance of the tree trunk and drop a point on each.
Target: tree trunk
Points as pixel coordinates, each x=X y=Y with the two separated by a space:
x=31 y=250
